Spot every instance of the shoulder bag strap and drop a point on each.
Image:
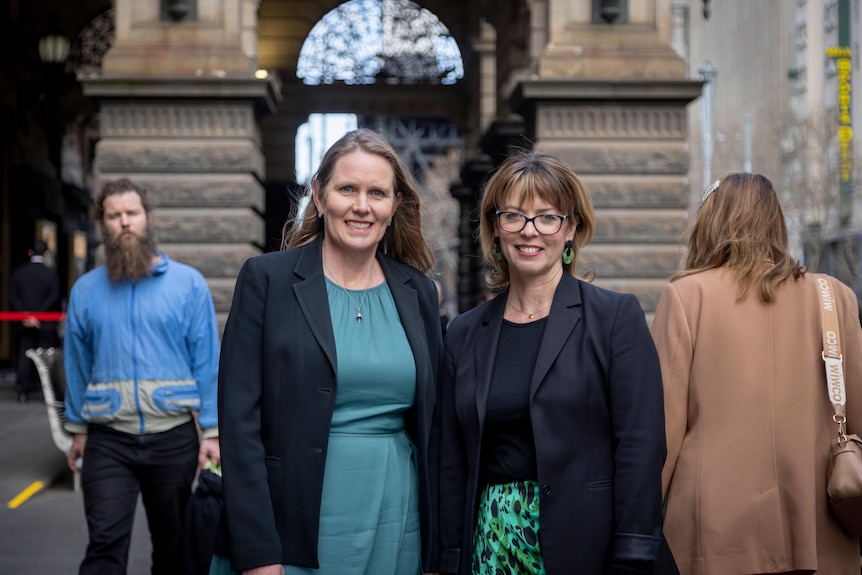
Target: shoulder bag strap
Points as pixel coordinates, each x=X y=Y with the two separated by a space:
x=831 y=354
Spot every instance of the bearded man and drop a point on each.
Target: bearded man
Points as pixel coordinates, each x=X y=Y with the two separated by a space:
x=141 y=359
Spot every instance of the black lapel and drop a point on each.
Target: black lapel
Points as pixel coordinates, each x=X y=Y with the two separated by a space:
x=311 y=294
x=566 y=312
x=486 y=341
x=407 y=303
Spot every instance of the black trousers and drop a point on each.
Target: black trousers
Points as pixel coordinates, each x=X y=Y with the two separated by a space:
x=117 y=466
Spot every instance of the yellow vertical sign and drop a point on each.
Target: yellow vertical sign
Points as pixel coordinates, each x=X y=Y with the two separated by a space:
x=842 y=55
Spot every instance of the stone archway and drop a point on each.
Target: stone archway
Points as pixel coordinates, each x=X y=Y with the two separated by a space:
x=182 y=107
x=365 y=66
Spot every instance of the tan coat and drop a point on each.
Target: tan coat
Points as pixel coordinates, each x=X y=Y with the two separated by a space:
x=749 y=426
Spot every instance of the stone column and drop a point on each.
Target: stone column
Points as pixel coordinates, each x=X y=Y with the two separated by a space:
x=220 y=42
x=180 y=112
x=471 y=263
x=200 y=158
x=610 y=100
x=628 y=143
x=486 y=82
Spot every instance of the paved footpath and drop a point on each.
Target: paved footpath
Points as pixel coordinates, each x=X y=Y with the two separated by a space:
x=46 y=533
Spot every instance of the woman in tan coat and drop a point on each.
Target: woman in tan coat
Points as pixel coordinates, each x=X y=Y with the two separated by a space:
x=747 y=414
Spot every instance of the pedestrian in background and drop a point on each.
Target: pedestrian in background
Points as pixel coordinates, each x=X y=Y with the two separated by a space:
x=749 y=422
x=34 y=287
x=141 y=359
x=327 y=382
x=552 y=436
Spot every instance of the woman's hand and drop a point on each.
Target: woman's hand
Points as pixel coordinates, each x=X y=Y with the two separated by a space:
x=265 y=570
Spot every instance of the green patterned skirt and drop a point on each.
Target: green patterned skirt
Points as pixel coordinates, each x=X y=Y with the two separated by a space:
x=506 y=539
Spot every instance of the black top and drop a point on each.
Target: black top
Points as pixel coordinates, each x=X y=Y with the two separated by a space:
x=508 y=451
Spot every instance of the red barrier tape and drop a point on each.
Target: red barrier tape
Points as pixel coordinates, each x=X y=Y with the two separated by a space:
x=40 y=315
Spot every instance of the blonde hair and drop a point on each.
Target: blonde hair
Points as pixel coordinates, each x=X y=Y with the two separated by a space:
x=531 y=175
x=740 y=225
x=403 y=239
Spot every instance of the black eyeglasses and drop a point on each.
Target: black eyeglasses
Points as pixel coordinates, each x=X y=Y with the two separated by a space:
x=547 y=224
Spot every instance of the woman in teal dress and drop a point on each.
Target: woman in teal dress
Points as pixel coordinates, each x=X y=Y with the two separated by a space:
x=327 y=383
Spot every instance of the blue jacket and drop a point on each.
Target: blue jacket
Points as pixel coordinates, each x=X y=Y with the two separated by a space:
x=141 y=356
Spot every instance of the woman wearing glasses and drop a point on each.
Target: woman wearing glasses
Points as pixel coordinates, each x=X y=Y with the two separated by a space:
x=552 y=423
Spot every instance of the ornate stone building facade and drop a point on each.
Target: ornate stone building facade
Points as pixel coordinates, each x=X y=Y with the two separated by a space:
x=172 y=95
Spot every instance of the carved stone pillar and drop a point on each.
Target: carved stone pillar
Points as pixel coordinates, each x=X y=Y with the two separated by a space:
x=471 y=263
x=608 y=97
x=627 y=140
x=486 y=82
x=195 y=146
x=220 y=42
x=180 y=112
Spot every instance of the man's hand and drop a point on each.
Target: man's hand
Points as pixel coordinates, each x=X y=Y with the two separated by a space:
x=210 y=451
x=31 y=322
x=76 y=452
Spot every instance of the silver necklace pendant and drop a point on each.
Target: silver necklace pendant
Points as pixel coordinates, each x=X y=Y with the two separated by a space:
x=347 y=293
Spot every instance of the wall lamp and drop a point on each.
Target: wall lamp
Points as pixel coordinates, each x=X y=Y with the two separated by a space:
x=53 y=48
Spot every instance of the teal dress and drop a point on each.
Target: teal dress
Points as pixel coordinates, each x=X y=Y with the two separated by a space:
x=369 y=512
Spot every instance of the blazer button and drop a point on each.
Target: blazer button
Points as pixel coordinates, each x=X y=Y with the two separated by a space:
x=546 y=489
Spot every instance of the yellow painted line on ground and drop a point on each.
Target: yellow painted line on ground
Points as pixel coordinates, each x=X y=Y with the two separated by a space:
x=25 y=495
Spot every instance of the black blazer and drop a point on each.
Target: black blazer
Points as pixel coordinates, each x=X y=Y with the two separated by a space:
x=34 y=287
x=598 y=421
x=277 y=387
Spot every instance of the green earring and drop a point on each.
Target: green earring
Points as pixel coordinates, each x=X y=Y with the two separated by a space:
x=495 y=249
x=568 y=253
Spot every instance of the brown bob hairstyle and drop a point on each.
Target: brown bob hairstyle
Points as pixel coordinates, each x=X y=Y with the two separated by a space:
x=529 y=175
x=740 y=225
x=403 y=240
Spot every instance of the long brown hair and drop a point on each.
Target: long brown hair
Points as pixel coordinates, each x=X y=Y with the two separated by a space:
x=403 y=240
x=740 y=225
x=533 y=175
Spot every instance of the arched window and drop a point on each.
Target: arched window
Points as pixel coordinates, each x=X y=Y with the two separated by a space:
x=88 y=49
x=370 y=41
